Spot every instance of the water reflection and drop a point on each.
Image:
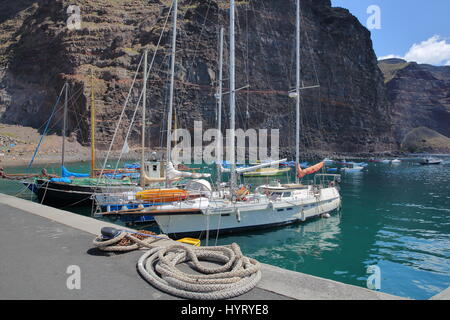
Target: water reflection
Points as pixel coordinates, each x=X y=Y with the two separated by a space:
x=290 y=245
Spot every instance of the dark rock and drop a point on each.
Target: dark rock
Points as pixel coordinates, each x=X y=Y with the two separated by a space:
x=420 y=96
x=349 y=113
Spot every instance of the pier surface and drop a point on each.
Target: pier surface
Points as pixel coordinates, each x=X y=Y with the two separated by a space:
x=39 y=244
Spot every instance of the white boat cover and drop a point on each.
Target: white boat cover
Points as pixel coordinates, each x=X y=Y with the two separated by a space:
x=252 y=168
x=172 y=173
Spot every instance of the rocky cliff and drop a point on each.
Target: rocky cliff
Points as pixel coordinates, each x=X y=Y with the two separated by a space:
x=420 y=97
x=38 y=53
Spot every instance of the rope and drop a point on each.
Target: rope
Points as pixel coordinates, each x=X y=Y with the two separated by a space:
x=45 y=192
x=236 y=276
x=125 y=241
x=45 y=129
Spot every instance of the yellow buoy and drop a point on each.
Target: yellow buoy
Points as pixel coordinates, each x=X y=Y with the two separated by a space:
x=191 y=241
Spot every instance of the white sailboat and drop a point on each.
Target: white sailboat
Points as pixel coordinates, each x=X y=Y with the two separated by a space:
x=270 y=205
x=282 y=206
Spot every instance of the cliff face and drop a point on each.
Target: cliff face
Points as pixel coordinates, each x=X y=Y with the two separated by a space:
x=348 y=113
x=420 y=96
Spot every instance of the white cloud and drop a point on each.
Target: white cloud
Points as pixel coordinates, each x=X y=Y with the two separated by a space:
x=390 y=56
x=434 y=51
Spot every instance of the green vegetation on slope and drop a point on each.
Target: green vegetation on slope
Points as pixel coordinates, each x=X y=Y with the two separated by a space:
x=423 y=139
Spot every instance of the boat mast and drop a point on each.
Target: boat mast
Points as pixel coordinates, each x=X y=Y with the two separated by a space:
x=144 y=106
x=232 y=101
x=92 y=126
x=63 y=152
x=172 y=80
x=297 y=89
x=219 y=111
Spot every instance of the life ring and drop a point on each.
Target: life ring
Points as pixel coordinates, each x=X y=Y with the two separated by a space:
x=241 y=193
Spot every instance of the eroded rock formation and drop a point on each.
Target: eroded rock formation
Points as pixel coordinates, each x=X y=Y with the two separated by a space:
x=349 y=113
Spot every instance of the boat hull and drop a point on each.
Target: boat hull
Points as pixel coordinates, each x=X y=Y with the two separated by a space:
x=242 y=216
x=63 y=194
x=431 y=163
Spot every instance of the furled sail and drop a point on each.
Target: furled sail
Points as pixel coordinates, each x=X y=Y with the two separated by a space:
x=310 y=170
x=172 y=173
x=252 y=168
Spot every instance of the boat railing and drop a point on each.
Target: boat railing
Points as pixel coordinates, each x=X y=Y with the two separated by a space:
x=325 y=180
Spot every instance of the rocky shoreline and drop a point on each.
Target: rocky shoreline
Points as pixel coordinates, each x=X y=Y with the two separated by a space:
x=44 y=159
x=18 y=144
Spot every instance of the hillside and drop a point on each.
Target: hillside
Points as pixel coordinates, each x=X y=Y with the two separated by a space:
x=425 y=140
x=349 y=113
x=420 y=96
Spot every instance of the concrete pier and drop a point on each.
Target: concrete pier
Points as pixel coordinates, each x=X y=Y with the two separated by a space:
x=444 y=295
x=39 y=244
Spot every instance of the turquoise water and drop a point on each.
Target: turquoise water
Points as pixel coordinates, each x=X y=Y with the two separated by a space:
x=396 y=217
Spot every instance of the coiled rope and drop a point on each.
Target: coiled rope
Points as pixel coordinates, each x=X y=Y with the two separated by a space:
x=128 y=241
x=237 y=274
x=234 y=275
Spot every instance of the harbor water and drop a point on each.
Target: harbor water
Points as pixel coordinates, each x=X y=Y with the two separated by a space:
x=394 y=216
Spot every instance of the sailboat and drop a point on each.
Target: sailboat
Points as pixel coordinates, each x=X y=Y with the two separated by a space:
x=77 y=189
x=269 y=206
x=162 y=173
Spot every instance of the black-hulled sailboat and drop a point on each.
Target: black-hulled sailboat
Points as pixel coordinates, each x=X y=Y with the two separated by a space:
x=77 y=189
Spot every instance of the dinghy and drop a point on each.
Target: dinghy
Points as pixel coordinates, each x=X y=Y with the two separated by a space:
x=430 y=161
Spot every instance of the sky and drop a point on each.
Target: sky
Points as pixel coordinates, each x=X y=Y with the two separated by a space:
x=414 y=30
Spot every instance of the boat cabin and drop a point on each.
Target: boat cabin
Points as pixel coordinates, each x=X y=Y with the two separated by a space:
x=155 y=169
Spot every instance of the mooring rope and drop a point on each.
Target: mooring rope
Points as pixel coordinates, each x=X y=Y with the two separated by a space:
x=234 y=275
x=126 y=241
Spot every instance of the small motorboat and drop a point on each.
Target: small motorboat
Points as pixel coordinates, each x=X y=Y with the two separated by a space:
x=396 y=161
x=430 y=161
x=360 y=164
x=352 y=167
